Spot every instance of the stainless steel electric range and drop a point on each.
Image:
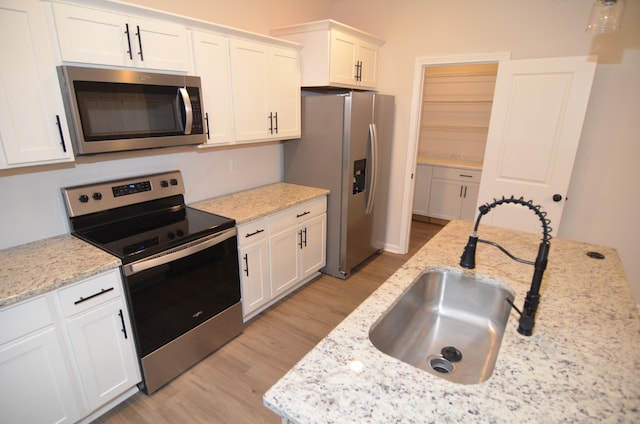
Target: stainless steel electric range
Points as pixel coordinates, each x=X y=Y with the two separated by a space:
x=179 y=267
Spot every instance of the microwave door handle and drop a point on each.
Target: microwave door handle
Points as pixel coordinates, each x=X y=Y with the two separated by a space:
x=188 y=110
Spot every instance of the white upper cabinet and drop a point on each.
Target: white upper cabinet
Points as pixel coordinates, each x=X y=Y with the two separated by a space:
x=33 y=127
x=335 y=54
x=107 y=38
x=266 y=91
x=211 y=64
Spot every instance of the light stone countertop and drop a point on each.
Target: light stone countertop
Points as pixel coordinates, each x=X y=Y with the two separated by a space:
x=36 y=268
x=582 y=364
x=248 y=205
x=450 y=163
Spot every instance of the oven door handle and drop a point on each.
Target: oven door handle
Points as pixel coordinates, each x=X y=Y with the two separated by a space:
x=177 y=253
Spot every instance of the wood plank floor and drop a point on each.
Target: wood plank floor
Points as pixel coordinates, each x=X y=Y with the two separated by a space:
x=227 y=386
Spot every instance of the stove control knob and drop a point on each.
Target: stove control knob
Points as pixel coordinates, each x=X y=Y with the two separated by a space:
x=164 y=183
x=173 y=181
x=83 y=198
x=97 y=195
x=170 y=235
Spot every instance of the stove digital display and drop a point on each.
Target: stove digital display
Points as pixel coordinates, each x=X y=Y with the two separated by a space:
x=126 y=189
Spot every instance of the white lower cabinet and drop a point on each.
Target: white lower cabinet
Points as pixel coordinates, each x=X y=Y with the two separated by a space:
x=37 y=384
x=68 y=353
x=281 y=252
x=297 y=239
x=254 y=265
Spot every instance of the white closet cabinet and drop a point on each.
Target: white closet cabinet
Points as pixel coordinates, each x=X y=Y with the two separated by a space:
x=33 y=126
x=335 y=54
x=422 y=189
x=37 y=383
x=211 y=64
x=266 y=91
x=454 y=193
x=103 y=37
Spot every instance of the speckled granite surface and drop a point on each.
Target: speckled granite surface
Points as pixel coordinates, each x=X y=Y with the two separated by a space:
x=36 y=268
x=581 y=365
x=255 y=203
x=450 y=163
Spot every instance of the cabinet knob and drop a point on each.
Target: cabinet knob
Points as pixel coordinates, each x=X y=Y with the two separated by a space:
x=557 y=197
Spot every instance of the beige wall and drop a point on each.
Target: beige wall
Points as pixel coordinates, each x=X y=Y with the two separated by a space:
x=604 y=199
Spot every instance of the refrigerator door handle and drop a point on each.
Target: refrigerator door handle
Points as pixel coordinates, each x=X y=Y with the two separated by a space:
x=373 y=140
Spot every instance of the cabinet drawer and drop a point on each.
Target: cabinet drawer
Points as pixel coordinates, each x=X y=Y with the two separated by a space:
x=252 y=232
x=24 y=318
x=462 y=175
x=90 y=292
x=295 y=214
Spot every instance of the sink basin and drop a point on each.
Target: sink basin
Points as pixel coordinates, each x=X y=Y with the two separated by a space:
x=448 y=323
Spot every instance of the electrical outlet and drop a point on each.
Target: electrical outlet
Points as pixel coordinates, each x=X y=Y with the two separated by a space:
x=233 y=166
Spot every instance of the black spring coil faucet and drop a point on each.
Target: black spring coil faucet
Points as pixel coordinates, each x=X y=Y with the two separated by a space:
x=468 y=259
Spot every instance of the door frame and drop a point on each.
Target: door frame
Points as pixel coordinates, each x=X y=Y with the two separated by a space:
x=414 y=125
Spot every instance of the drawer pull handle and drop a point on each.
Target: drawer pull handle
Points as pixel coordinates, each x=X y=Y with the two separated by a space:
x=124 y=328
x=466 y=176
x=84 y=299
x=303 y=214
x=254 y=233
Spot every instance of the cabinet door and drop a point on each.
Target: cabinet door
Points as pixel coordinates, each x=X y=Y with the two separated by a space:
x=35 y=381
x=468 y=210
x=313 y=254
x=211 y=59
x=422 y=190
x=368 y=56
x=33 y=126
x=254 y=276
x=445 y=199
x=249 y=86
x=284 y=91
x=159 y=44
x=283 y=255
x=103 y=346
x=106 y=38
x=93 y=36
x=343 y=58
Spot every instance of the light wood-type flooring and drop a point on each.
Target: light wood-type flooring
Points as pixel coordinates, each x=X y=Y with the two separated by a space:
x=227 y=386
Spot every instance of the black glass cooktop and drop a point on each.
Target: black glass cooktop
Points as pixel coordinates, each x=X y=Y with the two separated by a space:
x=137 y=237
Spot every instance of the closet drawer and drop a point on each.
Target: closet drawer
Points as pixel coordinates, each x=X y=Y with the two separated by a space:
x=462 y=175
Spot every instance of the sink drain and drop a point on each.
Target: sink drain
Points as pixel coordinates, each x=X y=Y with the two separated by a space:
x=441 y=365
x=451 y=353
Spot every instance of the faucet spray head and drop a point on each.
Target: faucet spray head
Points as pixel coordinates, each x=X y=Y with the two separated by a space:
x=468 y=258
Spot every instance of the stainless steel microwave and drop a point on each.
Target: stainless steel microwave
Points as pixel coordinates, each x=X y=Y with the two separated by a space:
x=111 y=110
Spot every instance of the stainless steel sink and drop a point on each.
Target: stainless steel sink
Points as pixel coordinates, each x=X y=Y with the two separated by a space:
x=448 y=323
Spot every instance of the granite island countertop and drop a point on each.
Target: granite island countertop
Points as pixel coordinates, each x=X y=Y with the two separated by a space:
x=582 y=364
x=258 y=202
x=39 y=267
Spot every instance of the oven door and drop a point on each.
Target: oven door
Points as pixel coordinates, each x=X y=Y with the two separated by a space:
x=175 y=291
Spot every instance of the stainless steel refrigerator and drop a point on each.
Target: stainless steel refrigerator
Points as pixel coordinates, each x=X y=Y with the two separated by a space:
x=346 y=148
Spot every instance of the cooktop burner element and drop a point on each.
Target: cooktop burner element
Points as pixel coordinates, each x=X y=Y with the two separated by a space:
x=137 y=217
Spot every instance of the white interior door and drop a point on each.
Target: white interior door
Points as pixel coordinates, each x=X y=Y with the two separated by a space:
x=536 y=121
